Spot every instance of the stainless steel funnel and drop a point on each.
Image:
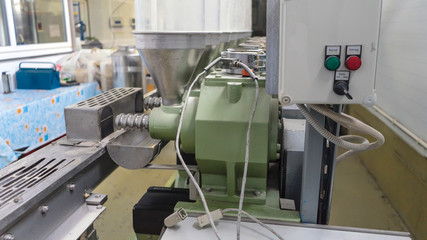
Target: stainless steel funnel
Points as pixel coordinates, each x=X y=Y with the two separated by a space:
x=212 y=51
x=171 y=59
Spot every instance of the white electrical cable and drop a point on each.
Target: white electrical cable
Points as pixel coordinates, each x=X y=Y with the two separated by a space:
x=199 y=190
x=248 y=141
x=355 y=144
x=253 y=219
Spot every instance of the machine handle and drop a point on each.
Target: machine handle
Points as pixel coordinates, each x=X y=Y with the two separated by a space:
x=49 y=63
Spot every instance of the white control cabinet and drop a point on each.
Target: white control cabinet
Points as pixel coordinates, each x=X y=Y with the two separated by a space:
x=328 y=51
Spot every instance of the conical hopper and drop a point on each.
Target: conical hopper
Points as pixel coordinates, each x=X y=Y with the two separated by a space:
x=171 y=59
x=212 y=51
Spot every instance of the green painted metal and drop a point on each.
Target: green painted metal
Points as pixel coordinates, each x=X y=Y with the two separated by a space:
x=270 y=210
x=146 y=237
x=221 y=136
x=214 y=128
x=234 y=92
x=164 y=122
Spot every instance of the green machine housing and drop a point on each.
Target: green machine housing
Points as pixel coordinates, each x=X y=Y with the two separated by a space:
x=214 y=129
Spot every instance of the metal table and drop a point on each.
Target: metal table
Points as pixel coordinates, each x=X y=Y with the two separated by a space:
x=188 y=229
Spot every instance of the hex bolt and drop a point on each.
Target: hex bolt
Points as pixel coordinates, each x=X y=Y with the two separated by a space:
x=44 y=209
x=71 y=187
x=7 y=236
x=286 y=100
x=257 y=193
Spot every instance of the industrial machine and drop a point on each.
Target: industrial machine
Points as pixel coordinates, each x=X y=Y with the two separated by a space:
x=244 y=151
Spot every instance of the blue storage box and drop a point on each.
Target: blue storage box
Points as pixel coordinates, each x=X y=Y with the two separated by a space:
x=37 y=75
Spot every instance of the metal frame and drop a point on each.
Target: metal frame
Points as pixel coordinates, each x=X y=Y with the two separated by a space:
x=41 y=210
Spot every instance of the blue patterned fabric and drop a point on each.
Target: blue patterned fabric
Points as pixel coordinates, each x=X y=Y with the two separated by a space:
x=31 y=118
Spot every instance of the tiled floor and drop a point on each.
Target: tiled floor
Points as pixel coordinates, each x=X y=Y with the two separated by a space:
x=357 y=200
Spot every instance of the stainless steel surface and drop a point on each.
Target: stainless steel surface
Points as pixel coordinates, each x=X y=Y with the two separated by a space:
x=133 y=149
x=35 y=193
x=255 y=59
x=93 y=119
x=212 y=51
x=152 y=102
x=5 y=83
x=80 y=222
x=132 y=121
x=293 y=153
x=187 y=229
x=273 y=40
x=128 y=68
x=171 y=167
x=96 y=199
x=171 y=59
x=311 y=172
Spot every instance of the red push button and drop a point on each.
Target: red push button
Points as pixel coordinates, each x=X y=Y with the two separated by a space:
x=353 y=63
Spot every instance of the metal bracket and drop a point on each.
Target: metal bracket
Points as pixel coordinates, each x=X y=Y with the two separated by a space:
x=96 y=199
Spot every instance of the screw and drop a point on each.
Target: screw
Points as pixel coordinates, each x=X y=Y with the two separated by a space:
x=286 y=100
x=17 y=199
x=97 y=196
x=71 y=187
x=44 y=209
x=7 y=236
x=257 y=193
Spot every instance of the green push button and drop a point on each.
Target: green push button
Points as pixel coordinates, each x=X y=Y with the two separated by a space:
x=332 y=63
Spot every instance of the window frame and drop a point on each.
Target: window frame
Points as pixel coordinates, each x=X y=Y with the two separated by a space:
x=13 y=51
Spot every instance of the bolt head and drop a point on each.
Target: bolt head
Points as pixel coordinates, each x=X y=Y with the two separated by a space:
x=7 y=236
x=286 y=100
x=71 y=187
x=44 y=209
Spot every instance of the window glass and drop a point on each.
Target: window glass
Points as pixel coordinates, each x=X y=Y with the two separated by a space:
x=4 y=37
x=39 y=21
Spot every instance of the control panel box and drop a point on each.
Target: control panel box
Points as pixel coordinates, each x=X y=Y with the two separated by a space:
x=328 y=51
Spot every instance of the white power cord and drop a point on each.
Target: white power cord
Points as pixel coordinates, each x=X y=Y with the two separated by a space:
x=253 y=219
x=178 y=151
x=355 y=144
x=199 y=190
x=248 y=142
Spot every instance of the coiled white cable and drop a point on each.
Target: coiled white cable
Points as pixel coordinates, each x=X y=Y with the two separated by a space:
x=355 y=144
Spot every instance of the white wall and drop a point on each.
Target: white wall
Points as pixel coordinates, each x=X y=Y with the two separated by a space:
x=99 y=14
x=402 y=69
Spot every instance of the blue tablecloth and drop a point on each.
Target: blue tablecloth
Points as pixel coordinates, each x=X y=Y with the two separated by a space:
x=31 y=118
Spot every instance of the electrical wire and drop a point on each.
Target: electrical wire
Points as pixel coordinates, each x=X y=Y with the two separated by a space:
x=178 y=151
x=355 y=144
x=248 y=141
x=199 y=190
x=253 y=219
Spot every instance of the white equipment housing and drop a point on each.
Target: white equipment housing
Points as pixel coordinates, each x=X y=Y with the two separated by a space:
x=309 y=31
